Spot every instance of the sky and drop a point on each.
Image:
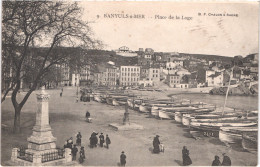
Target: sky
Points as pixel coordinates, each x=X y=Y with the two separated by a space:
x=206 y=34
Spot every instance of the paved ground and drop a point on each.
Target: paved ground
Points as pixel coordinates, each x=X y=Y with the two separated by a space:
x=67 y=118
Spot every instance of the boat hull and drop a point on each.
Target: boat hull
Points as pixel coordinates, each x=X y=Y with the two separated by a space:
x=164 y=115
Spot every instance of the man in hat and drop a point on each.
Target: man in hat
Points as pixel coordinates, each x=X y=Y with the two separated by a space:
x=101 y=139
x=78 y=141
x=156 y=144
x=107 y=141
x=122 y=158
x=81 y=155
x=226 y=160
x=74 y=152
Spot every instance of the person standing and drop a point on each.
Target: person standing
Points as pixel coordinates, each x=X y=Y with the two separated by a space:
x=70 y=143
x=226 y=160
x=107 y=141
x=186 y=156
x=101 y=139
x=123 y=159
x=216 y=162
x=60 y=94
x=74 y=152
x=81 y=155
x=78 y=141
x=156 y=144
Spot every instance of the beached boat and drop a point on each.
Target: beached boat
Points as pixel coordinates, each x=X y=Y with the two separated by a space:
x=230 y=135
x=212 y=128
x=109 y=100
x=249 y=141
x=164 y=114
x=145 y=108
x=155 y=111
x=115 y=102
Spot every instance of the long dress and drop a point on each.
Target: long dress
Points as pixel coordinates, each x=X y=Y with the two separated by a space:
x=123 y=159
x=226 y=161
x=156 y=143
x=185 y=157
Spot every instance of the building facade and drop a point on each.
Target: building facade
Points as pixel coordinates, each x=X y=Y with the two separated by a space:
x=129 y=75
x=173 y=80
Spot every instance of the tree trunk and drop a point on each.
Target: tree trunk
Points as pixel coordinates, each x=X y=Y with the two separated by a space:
x=17 y=126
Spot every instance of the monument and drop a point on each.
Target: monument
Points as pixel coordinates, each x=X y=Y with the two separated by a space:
x=41 y=149
x=126 y=125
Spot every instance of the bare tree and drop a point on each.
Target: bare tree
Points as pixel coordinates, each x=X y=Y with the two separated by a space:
x=30 y=24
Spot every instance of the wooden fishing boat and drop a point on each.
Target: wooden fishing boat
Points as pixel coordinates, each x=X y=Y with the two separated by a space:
x=145 y=108
x=164 y=114
x=109 y=100
x=115 y=102
x=211 y=129
x=97 y=98
x=155 y=111
x=231 y=135
x=249 y=142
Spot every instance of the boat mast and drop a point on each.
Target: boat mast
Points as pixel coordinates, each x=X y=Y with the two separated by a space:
x=227 y=92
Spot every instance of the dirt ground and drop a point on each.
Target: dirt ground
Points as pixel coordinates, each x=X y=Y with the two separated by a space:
x=67 y=118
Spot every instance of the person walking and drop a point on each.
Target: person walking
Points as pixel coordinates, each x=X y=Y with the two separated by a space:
x=122 y=158
x=60 y=94
x=101 y=139
x=78 y=141
x=216 y=162
x=226 y=160
x=107 y=141
x=186 y=157
x=156 y=144
x=81 y=155
x=74 y=152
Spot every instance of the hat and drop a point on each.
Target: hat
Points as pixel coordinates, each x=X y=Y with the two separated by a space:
x=157 y=136
x=107 y=134
x=224 y=154
x=123 y=152
x=101 y=133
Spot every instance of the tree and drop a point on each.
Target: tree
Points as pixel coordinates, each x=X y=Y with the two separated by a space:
x=30 y=25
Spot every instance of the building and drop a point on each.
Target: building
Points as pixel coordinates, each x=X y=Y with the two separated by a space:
x=173 y=80
x=129 y=75
x=124 y=51
x=65 y=79
x=145 y=58
x=150 y=75
x=215 y=79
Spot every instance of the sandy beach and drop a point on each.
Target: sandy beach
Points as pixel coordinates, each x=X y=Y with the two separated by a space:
x=68 y=117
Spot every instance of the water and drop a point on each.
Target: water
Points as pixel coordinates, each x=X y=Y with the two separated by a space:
x=238 y=102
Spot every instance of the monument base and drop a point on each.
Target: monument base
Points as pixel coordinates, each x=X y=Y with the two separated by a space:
x=60 y=162
x=131 y=126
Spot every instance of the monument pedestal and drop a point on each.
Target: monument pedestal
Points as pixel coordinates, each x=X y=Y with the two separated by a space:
x=41 y=149
x=126 y=125
x=131 y=126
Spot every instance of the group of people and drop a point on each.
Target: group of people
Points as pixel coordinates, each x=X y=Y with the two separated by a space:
x=74 y=149
x=158 y=147
x=225 y=162
x=94 y=140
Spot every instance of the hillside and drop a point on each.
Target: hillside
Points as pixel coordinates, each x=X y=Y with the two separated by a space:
x=101 y=56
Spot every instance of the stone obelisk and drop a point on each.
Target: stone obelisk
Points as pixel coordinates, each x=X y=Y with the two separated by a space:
x=42 y=139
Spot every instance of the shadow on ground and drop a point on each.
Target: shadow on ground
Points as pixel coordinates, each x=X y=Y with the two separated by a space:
x=178 y=162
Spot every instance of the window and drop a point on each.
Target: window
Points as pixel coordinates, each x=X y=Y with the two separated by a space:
x=122 y=69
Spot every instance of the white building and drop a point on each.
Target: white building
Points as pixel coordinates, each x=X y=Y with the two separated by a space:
x=129 y=75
